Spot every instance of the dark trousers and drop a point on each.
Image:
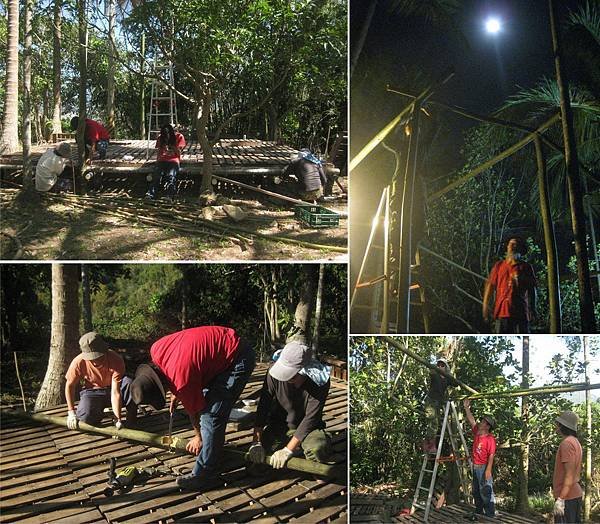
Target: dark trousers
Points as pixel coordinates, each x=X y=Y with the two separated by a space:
x=514 y=326
x=483 y=492
x=572 y=512
x=316 y=445
x=165 y=172
x=93 y=401
x=221 y=394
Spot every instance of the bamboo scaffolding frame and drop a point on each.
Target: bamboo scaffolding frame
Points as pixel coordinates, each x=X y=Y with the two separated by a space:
x=160 y=441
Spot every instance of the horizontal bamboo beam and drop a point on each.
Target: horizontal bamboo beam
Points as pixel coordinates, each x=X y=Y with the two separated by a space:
x=427 y=364
x=152 y=439
x=452 y=263
x=493 y=161
x=527 y=392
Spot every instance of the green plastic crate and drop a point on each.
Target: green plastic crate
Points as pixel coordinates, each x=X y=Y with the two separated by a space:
x=317 y=216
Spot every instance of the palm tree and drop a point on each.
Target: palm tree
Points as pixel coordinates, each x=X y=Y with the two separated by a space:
x=9 y=141
x=27 y=167
x=56 y=70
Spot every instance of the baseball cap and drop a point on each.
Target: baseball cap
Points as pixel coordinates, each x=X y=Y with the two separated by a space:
x=294 y=356
x=92 y=346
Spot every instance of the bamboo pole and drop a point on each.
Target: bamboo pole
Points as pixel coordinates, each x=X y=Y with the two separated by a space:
x=587 y=502
x=447 y=260
x=549 y=238
x=427 y=364
x=493 y=161
x=160 y=441
x=542 y=390
x=386 y=261
x=19 y=379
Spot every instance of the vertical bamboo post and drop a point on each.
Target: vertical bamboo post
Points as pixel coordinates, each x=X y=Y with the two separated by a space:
x=386 y=262
x=586 y=303
x=587 y=502
x=549 y=239
x=523 y=493
x=422 y=294
x=404 y=253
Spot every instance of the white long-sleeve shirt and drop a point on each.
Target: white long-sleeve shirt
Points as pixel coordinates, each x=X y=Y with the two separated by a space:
x=49 y=166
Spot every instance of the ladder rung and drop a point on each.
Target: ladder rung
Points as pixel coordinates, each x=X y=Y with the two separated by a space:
x=419 y=505
x=428 y=470
x=161 y=98
x=424 y=489
x=162 y=114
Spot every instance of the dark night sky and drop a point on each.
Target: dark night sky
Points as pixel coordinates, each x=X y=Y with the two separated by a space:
x=413 y=52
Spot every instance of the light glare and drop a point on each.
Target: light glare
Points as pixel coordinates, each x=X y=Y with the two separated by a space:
x=492 y=25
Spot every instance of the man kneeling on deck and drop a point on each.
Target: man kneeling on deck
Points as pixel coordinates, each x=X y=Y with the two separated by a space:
x=309 y=172
x=484 y=450
x=290 y=410
x=206 y=369
x=50 y=165
x=100 y=372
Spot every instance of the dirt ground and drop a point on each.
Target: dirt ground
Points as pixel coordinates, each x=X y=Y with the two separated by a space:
x=47 y=228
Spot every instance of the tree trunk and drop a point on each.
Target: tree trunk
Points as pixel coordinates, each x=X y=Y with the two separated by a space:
x=110 y=77
x=587 y=498
x=56 y=70
x=304 y=307
x=86 y=299
x=185 y=294
x=201 y=131
x=83 y=36
x=549 y=239
x=364 y=30
x=318 y=306
x=64 y=334
x=523 y=493
x=142 y=99
x=586 y=304
x=27 y=167
x=9 y=141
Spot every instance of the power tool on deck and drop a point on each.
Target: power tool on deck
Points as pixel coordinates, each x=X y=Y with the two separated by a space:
x=124 y=479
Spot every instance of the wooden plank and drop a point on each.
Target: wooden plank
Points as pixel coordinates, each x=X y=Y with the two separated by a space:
x=333 y=507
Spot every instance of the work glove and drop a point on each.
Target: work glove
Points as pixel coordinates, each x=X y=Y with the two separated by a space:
x=71 y=420
x=280 y=457
x=256 y=453
x=559 y=507
x=118 y=425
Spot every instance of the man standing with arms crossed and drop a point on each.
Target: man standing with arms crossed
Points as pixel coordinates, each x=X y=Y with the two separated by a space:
x=484 y=450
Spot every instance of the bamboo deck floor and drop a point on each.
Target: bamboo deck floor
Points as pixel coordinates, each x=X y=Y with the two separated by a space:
x=229 y=155
x=51 y=474
x=365 y=509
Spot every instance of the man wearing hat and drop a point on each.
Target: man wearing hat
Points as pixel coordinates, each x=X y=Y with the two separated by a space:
x=51 y=164
x=99 y=372
x=567 y=471
x=206 y=369
x=434 y=402
x=309 y=172
x=484 y=449
x=290 y=410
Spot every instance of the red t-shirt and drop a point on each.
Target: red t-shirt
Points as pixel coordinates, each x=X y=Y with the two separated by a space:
x=483 y=446
x=168 y=154
x=191 y=358
x=95 y=131
x=512 y=283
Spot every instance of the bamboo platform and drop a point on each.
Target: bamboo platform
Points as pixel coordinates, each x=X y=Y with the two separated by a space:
x=230 y=156
x=51 y=474
x=385 y=509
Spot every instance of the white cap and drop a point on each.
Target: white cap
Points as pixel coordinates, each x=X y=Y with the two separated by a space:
x=294 y=356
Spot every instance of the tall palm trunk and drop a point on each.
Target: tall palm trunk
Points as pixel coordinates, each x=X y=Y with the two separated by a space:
x=110 y=77
x=587 y=497
x=9 y=141
x=56 y=70
x=306 y=301
x=318 y=310
x=86 y=299
x=64 y=333
x=586 y=304
x=27 y=168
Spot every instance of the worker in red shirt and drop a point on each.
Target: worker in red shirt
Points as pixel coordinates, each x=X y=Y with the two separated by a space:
x=514 y=282
x=484 y=450
x=206 y=369
x=169 y=146
x=567 y=471
x=96 y=138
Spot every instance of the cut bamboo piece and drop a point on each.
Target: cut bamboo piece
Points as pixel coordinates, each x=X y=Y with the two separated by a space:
x=152 y=439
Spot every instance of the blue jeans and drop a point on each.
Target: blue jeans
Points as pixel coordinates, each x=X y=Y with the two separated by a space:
x=483 y=491
x=221 y=394
x=168 y=172
x=93 y=401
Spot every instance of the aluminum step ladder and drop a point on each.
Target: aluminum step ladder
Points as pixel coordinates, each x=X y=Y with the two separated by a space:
x=163 y=103
x=460 y=455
